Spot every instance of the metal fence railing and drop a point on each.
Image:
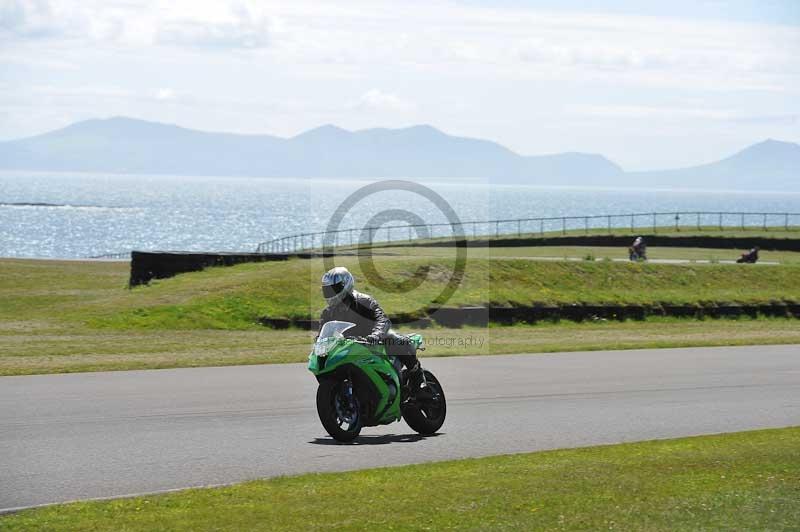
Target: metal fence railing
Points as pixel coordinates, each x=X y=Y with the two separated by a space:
x=113 y=256
x=653 y=221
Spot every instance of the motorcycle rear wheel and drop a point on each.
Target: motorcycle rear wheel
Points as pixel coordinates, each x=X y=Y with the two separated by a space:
x=340 y=415
x=426 y=416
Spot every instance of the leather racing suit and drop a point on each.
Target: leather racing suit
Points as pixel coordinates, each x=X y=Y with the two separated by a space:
x=371 y=323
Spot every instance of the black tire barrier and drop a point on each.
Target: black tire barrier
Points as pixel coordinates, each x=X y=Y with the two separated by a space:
x=458 y=317
x=419 y=323
x=678 y=311
x=277 y=323
x=306 y=325
x=148 y=265
x=479 y=316
x=774 y=310
x=624 y=241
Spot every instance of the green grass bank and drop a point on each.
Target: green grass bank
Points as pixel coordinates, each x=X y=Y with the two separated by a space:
x=58 y=316
x=740 y=481
x=93 y=294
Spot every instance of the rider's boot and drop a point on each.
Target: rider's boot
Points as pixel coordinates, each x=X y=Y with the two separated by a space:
x=416 y=376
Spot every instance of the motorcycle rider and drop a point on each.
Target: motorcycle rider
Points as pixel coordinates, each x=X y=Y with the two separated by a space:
x=749 y=256
x=344 y=303
x=638 y=249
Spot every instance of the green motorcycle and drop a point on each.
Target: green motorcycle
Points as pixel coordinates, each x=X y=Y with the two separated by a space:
x=361 y=386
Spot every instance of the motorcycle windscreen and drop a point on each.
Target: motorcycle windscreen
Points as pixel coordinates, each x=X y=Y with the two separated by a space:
x=335 y=329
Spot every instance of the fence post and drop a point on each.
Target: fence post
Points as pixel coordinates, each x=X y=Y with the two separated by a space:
x=519 y=227
x=655 y=229
x=677 y=220
x=586 y=225
x=765 y=221
x=497 y=228
x=632 y=224
x=563 y=226
x=786 y=221
x=742 y=221
x=541 y=228
x=698 y=221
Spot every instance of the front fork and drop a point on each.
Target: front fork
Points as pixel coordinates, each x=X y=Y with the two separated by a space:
x=347 y=392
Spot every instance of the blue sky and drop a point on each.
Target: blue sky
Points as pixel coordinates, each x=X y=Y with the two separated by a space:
x=751 y=11
x=648 y=84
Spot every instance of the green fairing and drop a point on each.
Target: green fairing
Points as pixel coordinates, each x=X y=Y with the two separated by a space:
x=374 y=363
x=416 y=339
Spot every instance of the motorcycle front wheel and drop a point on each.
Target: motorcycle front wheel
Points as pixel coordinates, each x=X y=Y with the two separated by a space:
x=339 y=410
x=427 y=408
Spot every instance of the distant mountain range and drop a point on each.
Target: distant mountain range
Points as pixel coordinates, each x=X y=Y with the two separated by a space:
x=126 y=145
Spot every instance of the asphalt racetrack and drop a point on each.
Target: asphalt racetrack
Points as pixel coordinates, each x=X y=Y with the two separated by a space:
x=67 y=437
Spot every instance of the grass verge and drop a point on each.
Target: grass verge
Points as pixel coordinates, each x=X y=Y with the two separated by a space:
x=741 y=481
x=43 y=348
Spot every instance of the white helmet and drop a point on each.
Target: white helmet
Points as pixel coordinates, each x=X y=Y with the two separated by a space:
x=336 y=284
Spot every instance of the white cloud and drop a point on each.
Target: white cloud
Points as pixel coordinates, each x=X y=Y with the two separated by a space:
x=244 y=28
x=650 y=112
x=377 y=100
x=165 y=94
x=772 y=119
x=598 y=56
x=33 y=19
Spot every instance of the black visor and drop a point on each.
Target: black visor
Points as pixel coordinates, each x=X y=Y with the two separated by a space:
x=331 y=290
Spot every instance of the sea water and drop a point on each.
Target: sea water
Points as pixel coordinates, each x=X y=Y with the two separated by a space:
x=81 y=215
